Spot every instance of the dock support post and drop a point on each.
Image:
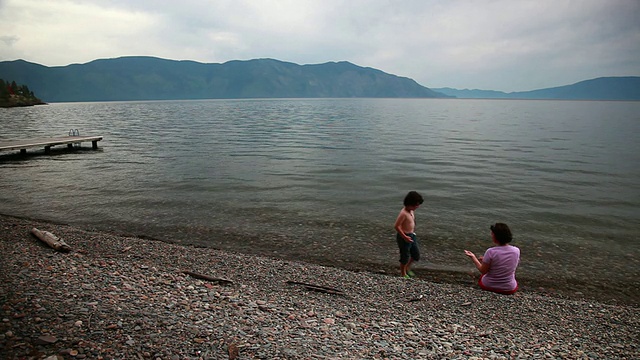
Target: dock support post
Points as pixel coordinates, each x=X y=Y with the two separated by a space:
x=47 y=149
x=94 y=144
x=23 y=151
x=70 y=146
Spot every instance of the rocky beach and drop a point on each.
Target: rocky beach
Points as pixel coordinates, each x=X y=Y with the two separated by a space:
x=121 y=297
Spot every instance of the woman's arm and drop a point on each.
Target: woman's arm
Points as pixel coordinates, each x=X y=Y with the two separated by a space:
x=483 y=267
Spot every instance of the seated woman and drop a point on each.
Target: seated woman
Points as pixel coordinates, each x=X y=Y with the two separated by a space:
x=499 y=263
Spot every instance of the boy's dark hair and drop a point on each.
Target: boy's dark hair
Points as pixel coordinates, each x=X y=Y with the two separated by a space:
x=413 y=198
x=501 y=232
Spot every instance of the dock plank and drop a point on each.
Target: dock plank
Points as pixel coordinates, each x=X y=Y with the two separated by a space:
x=47 y=143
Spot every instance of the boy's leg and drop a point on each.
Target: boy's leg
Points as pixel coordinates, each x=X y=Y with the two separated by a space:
x=403 y=246
x=408 y=270
x=414 y=250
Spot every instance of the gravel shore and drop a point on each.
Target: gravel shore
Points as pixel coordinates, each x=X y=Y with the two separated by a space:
x=117 y=297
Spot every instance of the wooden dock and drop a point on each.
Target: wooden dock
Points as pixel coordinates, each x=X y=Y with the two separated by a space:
x=47 y=143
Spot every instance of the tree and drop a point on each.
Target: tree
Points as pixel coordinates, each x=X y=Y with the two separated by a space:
x=4 y=90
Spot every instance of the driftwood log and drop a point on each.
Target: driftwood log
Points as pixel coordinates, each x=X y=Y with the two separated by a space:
x=208 y=278
x=51 y=240
x=319 y=288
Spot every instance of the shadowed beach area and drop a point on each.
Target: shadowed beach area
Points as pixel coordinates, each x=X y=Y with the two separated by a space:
x=120 y=297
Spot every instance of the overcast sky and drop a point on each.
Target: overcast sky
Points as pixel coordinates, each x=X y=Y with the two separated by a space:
x=501 y=45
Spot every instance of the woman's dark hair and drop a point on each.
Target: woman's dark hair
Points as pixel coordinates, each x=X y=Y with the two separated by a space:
x=501 y=232
x=413 y=198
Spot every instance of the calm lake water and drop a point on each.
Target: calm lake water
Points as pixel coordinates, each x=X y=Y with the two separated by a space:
x=323 y=179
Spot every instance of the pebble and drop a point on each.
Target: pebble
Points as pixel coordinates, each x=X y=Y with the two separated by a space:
x=118 y=297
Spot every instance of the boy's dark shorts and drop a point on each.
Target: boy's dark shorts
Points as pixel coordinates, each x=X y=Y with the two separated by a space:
x=408 y=249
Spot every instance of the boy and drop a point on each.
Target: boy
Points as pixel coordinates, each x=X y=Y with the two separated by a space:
x=405 y=233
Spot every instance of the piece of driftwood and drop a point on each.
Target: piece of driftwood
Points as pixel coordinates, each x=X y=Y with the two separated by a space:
x=51 y=240
x=208 y=278
x=319 y=288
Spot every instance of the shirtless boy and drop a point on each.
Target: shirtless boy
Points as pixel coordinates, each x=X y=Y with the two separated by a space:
x=405 y=233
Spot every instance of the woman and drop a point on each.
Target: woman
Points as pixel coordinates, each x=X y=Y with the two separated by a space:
x=499 y=263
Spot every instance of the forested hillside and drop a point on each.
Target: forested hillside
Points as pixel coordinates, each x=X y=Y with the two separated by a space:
x=149 y=78
x=13 y=95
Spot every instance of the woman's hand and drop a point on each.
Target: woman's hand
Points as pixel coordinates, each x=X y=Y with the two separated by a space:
x=484 y=268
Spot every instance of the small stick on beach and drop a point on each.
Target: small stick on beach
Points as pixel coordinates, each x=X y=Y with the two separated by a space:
x=51 y=240
x=319 y=288
x=208 y=278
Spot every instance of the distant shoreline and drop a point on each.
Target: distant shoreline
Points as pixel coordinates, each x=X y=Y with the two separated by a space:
x=14 y=104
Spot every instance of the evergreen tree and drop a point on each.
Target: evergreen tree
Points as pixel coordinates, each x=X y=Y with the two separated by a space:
x=4 y=91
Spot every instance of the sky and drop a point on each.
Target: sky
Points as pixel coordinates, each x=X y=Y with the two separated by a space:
x=502 y=45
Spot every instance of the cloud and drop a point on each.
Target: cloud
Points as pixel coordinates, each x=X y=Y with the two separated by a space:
x=64 y=32
x=9 y=40
x=498 y=45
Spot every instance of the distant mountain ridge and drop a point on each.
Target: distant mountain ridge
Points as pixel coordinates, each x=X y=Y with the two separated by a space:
x=150 y=78
x=603 y=88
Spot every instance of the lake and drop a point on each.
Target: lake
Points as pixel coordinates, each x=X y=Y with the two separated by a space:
x=322 y=180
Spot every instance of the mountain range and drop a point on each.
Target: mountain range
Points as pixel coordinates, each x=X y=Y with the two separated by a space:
x=603 y=88
x=149 y=78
